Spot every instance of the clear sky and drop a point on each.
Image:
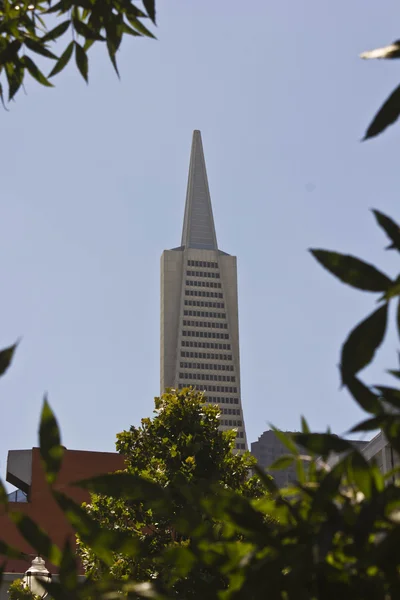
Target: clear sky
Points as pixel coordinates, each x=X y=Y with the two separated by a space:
x=93 y=183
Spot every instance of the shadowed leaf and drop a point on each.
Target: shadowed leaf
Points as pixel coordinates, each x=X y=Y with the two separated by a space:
x=82 y=61
x=387 y=115
x=63 y=60
x=51 y=450
x=103 y=542
x=359 y=348
x=3 y=494
x=35 y=71
x=391 y=229
x=369 y=424
x=39 y=48
x=353 y=271
x=363 y=395
x=56 y=32
x=6 y=357
x=283 y=462
x=322 y=443
x=391 y=395
x=150 y=7
x=36 y=537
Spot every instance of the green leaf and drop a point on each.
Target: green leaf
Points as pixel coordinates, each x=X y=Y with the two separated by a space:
x=363 y=395
x=390 y=227
x=362 y=343
x=3 y=495
x=102 y=542
x=353 y=271
x=15 y=79
x=68 y=573
x=39 y=48
x=304 y=425
x=387 y=115
x=322 y=443
x=56 y=32
x=369 y=424
x=35 y=71
x=283 y=462
x=6 y=357
x=87 y=32
x=81 y=61
x=127 y=486
x=391 y=395
x=51 y=450
x=36 y=537
x=150 y=6
x=11 y=552
x=136 y=24
x=111 y=53
x=398 y=317
x=63 y=60
x=286 y=439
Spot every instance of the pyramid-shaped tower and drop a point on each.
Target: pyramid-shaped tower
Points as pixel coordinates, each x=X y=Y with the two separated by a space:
x=199 y=307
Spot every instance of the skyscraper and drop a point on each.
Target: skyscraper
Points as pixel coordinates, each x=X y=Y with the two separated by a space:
x=199 y=307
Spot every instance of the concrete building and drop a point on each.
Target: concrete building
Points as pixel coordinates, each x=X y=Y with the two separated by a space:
x=267 y=449
x=199 y=307
x=377 y=450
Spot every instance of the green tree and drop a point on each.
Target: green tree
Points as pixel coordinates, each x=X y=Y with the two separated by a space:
x=180 y=449
x=30 y=28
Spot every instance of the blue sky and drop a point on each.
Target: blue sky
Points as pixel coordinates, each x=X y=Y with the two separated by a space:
x=92 y=191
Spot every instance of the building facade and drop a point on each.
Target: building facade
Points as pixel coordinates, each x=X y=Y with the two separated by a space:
x=199 y=307
x=266 y=450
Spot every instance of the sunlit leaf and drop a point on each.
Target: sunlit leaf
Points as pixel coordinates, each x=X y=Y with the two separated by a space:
x=390 y=51
x=362 y=343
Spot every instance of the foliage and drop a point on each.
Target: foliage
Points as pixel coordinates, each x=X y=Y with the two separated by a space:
x=181 y=449
x=19 y=591
x=36 y=27
x=184 y=521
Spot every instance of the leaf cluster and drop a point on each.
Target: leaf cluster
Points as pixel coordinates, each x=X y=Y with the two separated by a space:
x=25 y=33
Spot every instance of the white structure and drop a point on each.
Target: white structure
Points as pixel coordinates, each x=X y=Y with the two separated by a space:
x=199 y=307
x=35 y=575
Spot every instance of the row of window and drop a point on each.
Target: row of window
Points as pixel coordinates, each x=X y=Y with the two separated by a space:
x=205 y=366
x=203 y=294
x=204 y=303
x=231 y=422
x=195 y=283
x=231 y=411
x=209 y=355
x=206 y=334
x=202 y=274
x=240 y=447
x=240 y=434
x=212 y=345
x=207 y=377
x=202 y=263
x=222 y=400
x=204 y=313
x=210 y=324
x=213 y=388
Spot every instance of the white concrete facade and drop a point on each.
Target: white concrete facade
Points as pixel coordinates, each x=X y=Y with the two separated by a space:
x=199 y=308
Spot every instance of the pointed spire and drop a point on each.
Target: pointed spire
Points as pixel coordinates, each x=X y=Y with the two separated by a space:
x=198 y=225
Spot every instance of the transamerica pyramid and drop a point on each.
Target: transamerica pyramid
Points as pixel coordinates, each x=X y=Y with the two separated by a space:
x=199 y=307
